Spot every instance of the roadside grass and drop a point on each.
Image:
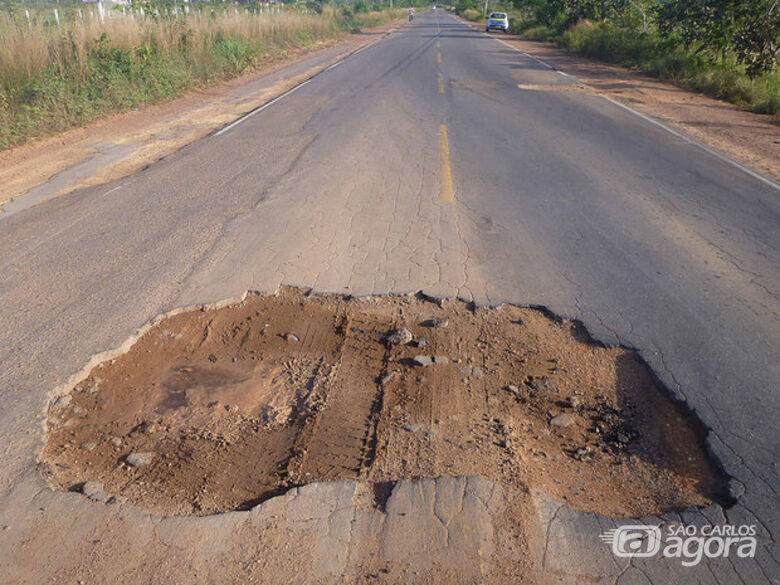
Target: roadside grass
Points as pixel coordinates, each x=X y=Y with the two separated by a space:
x=472 y=15
x=666 y=59
x=54 y=77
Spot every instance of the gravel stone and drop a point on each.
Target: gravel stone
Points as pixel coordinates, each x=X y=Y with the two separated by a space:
x=62 y=402
x=136 y=459
x=399 y=336
x=93 y=388
x=387 y=376
x=94 y=491
x=422 y=360
x=562 y=420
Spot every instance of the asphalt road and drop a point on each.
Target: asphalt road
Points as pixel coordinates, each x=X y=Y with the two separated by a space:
x=420 y=164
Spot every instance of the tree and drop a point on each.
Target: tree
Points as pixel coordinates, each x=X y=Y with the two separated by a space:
x=757 y=41
x=709 y=23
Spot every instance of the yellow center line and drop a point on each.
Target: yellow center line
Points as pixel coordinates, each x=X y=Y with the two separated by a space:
x=438 y=57
x=438 y=46
x=446 y=173
x=441 y=83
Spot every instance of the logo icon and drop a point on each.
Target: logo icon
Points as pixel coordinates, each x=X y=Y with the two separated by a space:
x=634 y=540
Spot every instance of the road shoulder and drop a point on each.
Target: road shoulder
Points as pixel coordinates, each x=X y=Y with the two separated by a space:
x=752 y=139
x=122 y=144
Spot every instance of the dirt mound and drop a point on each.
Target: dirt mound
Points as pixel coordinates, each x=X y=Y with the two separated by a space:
x=216 y=410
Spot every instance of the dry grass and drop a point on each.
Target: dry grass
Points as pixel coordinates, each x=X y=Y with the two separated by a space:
x=27 y=49
x=56 y=76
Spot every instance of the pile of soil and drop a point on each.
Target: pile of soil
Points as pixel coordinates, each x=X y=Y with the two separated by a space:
x=217 y=410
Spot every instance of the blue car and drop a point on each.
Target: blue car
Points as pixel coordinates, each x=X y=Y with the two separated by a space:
x=497 y=20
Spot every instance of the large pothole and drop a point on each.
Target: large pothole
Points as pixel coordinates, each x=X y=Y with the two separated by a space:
x=216 y=410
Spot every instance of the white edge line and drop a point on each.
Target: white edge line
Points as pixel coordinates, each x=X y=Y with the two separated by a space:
x=712 y=151
x=257 y=110
x=267 y=104
x=333 y=66
x=688 y=139
x=251 y=113
x=542 y=63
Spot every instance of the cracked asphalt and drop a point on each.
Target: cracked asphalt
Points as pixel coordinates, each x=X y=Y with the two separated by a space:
x=559 y=199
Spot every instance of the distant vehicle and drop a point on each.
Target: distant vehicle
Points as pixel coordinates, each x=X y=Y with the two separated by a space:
x=497 y=20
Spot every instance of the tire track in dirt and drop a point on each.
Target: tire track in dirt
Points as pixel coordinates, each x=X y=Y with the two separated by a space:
x=341 y=441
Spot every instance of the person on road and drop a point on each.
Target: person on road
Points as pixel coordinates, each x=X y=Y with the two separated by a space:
x=411 y=14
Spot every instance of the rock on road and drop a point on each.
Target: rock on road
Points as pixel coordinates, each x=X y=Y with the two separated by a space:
x=436 y=159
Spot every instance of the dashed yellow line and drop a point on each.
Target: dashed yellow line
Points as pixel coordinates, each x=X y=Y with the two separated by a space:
x=438 y=57
x=438 y=45
x=446 y=172
x=441 y=83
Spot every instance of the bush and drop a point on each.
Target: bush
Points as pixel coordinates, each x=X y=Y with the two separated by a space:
x=234 y=54
x=665 y=58
x=471 y=14
x=535 y=33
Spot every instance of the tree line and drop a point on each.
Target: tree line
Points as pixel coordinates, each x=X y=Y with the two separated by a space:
x=745 y=30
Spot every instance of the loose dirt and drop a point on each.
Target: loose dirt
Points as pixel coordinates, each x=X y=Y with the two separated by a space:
x=216 y=410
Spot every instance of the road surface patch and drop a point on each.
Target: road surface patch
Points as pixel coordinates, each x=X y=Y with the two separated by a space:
x=227 y=407
x=559 y=87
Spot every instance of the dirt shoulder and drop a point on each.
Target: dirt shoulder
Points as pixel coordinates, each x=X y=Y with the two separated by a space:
x=121 y=144
x=752 y=139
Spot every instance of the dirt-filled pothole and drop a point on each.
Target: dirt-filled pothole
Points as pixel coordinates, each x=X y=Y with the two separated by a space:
x=215 y=410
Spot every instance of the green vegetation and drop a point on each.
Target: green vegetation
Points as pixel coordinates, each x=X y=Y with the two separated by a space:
x=62 y=69
x=725 y=48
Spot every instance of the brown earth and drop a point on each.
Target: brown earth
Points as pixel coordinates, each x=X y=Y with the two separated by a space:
x=240 y=403
x=753 y=139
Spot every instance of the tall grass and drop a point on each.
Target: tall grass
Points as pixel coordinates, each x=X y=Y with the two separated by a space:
x=55 y=76
x=471 y=14
x=666 y=59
